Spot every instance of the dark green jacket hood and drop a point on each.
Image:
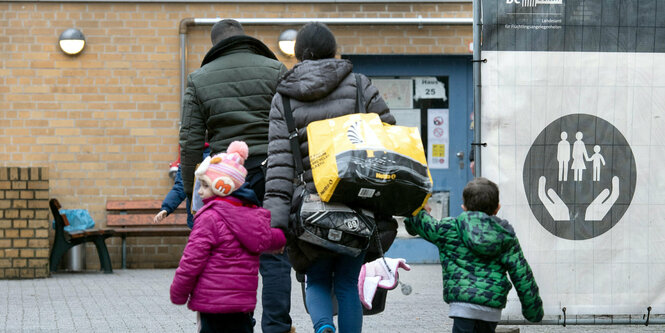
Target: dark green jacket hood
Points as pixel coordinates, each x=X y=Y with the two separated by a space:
x=486 y=236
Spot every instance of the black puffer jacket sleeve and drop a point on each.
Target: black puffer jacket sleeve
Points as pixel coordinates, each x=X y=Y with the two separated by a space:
x=280 y=172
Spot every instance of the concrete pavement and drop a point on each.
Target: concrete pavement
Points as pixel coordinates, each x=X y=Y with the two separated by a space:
x=138 y=301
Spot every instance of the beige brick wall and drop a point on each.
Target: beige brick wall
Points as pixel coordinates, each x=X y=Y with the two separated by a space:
x=105 y=123
x=24 y=227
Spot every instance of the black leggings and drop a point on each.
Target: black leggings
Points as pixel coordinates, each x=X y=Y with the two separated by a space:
x=226 y=322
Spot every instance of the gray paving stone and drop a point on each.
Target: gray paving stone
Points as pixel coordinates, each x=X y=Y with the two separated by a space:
x=138 y=301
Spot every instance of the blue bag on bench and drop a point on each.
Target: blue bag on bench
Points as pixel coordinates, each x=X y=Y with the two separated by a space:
x=79 y=219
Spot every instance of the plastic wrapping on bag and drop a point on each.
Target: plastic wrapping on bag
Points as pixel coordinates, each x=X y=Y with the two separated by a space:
x=379 y=274
x=357 y=159
x=79 y=219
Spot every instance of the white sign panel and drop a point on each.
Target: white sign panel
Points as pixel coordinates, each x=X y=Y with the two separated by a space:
x=572 y=144
x=398 y=93
x=438 y=138
x=429 y=88
x=573 y=118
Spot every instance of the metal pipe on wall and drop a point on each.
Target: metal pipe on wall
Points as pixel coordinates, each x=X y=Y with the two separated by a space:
x=183 y=68
x=477 y=23
x=187 y=22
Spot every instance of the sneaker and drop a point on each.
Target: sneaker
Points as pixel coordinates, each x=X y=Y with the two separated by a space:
x=326 y=329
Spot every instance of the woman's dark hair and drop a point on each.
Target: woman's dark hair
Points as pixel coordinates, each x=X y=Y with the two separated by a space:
x=315 y=41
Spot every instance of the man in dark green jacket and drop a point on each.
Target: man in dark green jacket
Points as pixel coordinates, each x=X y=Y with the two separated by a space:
x=477 y=249
x=228 y=99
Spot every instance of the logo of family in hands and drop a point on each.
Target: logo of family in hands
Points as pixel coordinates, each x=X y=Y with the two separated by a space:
x=579 y=176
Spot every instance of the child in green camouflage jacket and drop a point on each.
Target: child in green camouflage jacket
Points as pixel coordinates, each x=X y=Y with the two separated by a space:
x=476 y=250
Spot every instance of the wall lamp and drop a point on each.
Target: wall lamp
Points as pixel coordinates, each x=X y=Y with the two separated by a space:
x=287 y=42
x=72 y=41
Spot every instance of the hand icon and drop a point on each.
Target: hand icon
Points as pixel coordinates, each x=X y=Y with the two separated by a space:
x=598 y=209
x=554 y=205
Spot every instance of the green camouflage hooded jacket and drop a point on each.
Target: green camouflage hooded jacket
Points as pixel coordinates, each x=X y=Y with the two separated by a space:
x=476 y=250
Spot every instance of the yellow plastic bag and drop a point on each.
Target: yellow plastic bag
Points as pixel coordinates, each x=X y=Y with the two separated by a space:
x=357 y=159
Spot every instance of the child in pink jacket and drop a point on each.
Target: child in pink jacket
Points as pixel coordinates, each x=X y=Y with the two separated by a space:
x=218 y=272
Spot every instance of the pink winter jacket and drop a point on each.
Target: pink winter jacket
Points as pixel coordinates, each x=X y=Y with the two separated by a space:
x=219 y=268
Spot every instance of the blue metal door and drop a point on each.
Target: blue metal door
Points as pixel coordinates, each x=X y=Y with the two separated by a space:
x=455 y=72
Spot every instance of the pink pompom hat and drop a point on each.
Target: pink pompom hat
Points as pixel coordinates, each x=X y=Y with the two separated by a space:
x=225 y=172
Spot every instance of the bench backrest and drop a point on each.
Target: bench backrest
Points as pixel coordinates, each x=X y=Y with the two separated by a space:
x=61 y=221
x=141 y=213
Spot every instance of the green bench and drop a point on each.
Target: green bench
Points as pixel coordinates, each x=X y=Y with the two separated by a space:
x=65 y=240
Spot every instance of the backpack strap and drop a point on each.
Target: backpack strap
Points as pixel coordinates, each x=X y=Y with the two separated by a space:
x=293 y=137
x=360 y=98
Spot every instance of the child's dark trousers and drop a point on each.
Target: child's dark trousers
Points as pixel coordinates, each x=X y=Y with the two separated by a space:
x=465 y=325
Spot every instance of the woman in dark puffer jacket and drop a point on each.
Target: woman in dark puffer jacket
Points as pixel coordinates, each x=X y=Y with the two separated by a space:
x=319 y=87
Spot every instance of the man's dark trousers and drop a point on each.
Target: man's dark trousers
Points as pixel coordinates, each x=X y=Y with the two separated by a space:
x=275 y=272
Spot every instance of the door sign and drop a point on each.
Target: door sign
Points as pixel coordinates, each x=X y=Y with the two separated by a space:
x=438 y=138
x=579 y=176
x=429 y=88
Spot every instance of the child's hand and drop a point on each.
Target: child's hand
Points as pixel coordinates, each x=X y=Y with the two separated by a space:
x=159 y=217
x=278 y=251
x=428 y=208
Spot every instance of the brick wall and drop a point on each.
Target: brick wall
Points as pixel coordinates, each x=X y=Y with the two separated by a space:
x=105 y=123
x=24 y=229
